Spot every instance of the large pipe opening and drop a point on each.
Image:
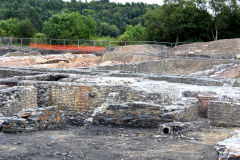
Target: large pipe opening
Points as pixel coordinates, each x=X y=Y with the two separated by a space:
x=166 y=130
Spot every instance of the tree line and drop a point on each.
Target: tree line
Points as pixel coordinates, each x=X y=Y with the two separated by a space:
x=174 y=21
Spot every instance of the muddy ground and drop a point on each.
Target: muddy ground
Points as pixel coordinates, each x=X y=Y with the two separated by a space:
x=110 y=143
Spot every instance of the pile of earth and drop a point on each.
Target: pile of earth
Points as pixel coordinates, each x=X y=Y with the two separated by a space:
x=227 y=48
x=221 y=49
x=134 y=53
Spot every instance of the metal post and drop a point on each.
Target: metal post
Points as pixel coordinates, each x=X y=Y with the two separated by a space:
x=10 y=41
x=109 y=44
x=0 y=40
x=21 y=42
x=78 y=43
x=94 y=43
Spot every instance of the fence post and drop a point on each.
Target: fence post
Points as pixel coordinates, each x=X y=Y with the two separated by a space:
x=64 y=42
x=78 y=43
x=94 y=43
x=10 y=41
x=0 y=40
x=109 y=44
x=35 y=42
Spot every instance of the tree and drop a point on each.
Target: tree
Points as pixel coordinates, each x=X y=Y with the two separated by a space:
x=10 y=27
x=178 y=20
x=38 y=11
x=2 y=32
x=105 y=29
x=70 y=25
x=133 y=33
x=220 y=12
x=113 y=31
x=26 y=29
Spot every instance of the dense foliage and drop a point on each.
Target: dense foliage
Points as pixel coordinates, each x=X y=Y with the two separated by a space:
x=38 y=11
x=175 y=20
x=70 y=26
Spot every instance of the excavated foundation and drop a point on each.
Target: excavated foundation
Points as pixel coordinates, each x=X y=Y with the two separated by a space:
x=35 y=99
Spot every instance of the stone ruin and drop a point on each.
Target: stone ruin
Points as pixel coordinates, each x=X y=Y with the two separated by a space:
x=35 y=99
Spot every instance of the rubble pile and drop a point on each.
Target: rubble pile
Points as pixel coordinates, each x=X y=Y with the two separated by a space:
x=229 y=149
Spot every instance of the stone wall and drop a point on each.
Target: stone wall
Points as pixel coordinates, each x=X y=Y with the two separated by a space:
x=13 y=100
x=231 y=72
x=224 y=113
x=141 y=114
x=84 y=97
x=6 y=72
x=33 y=119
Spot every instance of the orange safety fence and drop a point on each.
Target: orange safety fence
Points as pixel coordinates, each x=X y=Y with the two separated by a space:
x=68 y=47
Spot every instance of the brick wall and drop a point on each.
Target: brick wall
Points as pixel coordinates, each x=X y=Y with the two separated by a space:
x=203 y=104
x=76 y=98
x=224 y=113
x=80 y=97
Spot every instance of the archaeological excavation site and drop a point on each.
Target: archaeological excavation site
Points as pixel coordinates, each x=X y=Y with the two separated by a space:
x=131 y=102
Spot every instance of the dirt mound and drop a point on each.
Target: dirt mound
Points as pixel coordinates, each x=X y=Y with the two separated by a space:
x=135 y=53
x=227 y=48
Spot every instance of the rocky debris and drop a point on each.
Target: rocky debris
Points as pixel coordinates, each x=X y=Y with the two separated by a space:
x=80 y=118
x=190 y=94
x=51 y=61
x=6 y=49
x=229 y=149
x=33 y=119
x=14 y=54
x=237 y=56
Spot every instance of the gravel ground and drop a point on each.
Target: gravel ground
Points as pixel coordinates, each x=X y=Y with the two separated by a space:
x=109 y=143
